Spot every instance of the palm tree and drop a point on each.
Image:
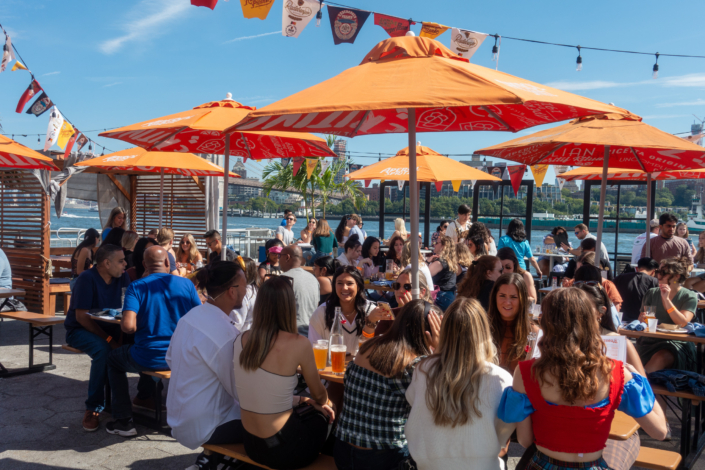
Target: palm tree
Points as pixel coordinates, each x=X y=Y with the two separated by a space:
x=275 y=176
x=327 y=186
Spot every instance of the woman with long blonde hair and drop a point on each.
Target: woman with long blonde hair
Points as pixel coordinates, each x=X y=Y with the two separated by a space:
x=565 y=400
x=399 y=229
x=265 y=361
x=444 y=266
x=117 y=218
x=187 y=254
x=683 y=232
x=455 y=395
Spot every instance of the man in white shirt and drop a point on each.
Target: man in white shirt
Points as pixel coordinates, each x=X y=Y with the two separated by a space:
x=641 y=240
x=202 y=399
x=460 y=225
x=285 y=234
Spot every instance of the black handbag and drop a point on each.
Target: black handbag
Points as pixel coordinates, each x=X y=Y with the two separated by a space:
x=12 y=305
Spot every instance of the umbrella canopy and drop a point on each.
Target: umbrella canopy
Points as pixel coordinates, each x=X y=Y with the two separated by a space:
x=203 y=130
x=15 y=155
x=449 y=93
x=430 y=166
x=412 y=83
x=588 y=173
x=136 y=160
x=632 y=144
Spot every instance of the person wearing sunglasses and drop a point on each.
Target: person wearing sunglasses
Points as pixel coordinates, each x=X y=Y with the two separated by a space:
x=480 y=278
x=674 y=306
x=307 y=232
x=582 y=233
x=286 y=234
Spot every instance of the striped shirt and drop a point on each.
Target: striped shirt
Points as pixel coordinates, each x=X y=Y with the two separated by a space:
x=375 y=409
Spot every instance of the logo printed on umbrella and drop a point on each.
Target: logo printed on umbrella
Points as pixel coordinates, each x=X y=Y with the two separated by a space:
x=165 y=121
x=119 y=158
x=527 y=87
x=396 y=171
x=211 y=146
x=437 y=119
x=480 y=126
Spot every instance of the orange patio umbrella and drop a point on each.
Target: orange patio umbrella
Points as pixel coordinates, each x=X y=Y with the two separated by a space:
x=207 y=129
x=431 y=166
x=622 y=141
x=136 y=160
x=593 y=173
x=410 y=84
x=15 y=155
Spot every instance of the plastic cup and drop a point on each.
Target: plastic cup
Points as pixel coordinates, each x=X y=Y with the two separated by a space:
x=320 y=354
x=337 y=358
x=653 y=323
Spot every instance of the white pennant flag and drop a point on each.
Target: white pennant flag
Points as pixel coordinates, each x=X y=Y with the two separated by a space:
x=560 y=169
x=324 y=167
x=8 y=54
x=400 y=184
x=505 y=175
x=296 y=14
x=465 y=43
x=55 y=123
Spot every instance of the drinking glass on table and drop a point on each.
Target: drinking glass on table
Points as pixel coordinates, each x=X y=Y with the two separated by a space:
x=337 y=358
x=320 y=353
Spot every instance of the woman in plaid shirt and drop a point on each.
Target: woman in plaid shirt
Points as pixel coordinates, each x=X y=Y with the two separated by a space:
x=370 y=430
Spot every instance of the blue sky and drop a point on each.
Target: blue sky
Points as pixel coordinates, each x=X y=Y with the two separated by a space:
x=108 y=64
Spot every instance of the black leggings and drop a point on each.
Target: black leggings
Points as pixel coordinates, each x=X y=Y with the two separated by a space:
x=296 y=445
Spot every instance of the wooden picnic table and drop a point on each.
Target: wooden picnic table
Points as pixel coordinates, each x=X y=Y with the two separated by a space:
x=39 y=325
x=114 y=321
x=377 y=287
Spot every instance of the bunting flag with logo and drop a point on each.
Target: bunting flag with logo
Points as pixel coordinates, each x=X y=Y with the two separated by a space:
x=65 y=134
x=205 y=3
x=41 y=105
x=18 y=66
x=31 y=90
x=55 y=123
x=559 y=169
x=81 y=141
x=456 y=185
x=324 y=166
x=296 y=15
x=8 y=54
x=256 y=8
x=395 y=27
x=432 y=30
x=70 y=143
x=439 y=186
x=465 y=43
x=346 y=23
x=310 y=166
x=539 y=172
x=516 y=173
x=297 y=164
x=285 y=162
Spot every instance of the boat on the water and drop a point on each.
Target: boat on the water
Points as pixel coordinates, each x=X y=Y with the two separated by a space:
x=696 y=222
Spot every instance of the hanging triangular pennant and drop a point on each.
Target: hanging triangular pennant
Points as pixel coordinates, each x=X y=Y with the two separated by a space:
x=367 y=183
x=472 y=184
x=70 y=143
x=41 y=105
x=400 y=185
x=560 y=169
x=539 y=172
x=285 y=162
x=256 y=8
x=55 y=123
x=8 y=54
x=324 y=166
x=205 y=3
x=516 y=173
x=31 y=90
x=81 y=140
x=310 y=166
x=432 y=30
x=18 y=66
x=395 y=27
x=456 y=185
x=345 y=23
x=505 y=175
x=465 y=43
x=298 y=161
x=65 y=134
x=439 y=186
x=296 y=16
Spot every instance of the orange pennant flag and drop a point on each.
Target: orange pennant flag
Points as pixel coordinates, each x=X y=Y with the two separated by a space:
x=456 y=185
x=256 y=8
x=432 y=30
x=539 y=172
x=311 y=164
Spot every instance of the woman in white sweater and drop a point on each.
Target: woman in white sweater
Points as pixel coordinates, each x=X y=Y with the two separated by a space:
x=453 y=423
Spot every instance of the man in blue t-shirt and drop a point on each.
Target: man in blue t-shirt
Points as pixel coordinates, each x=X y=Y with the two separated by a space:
x=98 y=288
x=287 y=212
x=153 y=306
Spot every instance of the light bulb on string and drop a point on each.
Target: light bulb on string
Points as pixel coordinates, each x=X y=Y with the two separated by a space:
x=319 y=15
x=495 y=50
x=654 y=75
x=579 y=62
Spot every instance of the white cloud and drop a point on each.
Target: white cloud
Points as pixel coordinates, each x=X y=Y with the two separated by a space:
x=689 y=80
x=591 y=85
x=252 y=37
x=698 y=102
x=111 y=84
x=150 y=18
x=50 y=73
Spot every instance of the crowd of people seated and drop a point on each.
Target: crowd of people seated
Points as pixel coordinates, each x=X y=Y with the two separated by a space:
x=442 y=381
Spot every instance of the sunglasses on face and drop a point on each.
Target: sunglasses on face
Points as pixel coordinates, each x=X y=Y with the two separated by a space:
x=397 y=286
x=348 y=218
x=586 y=283
x=290 y=218
x=577 y=232
x=663 y=272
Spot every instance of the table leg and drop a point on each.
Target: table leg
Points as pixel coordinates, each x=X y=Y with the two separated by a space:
x=33 y=368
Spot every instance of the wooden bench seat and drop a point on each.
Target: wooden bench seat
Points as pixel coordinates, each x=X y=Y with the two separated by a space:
x=661 y=390
x=39 y=326
x=70 y=349
x=237 y=451
x=657 y=459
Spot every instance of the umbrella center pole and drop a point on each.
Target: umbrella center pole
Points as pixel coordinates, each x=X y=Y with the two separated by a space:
x=226 y=173
x=647 y=240
x=413 y=205
x=161 y=197
x=603 y=192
